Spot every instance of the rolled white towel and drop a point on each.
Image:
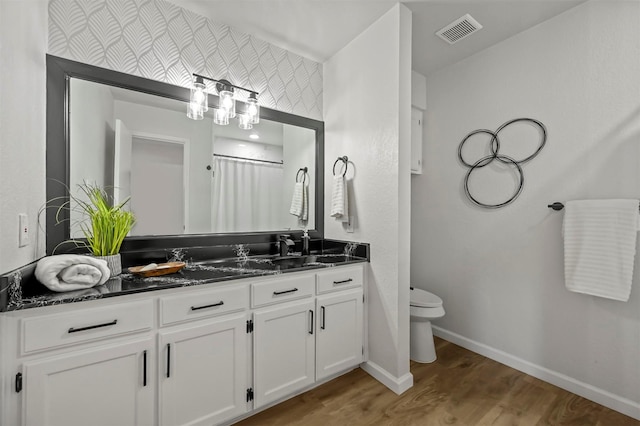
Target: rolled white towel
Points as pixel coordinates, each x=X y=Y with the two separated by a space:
x=67 y=272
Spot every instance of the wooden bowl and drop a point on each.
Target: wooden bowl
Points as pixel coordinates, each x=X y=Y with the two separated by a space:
x=161 y=269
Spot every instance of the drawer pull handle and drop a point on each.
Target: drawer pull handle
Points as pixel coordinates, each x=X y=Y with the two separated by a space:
x=323 y=315
x=195 y=308
x=18 y=382
x=293 y=290
x=144 y=368
x=343 y=281
x=311 y=328
x=168 y=360
x=91 y=327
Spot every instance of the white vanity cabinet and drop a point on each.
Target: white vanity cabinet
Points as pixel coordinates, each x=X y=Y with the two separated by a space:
x=202 y=373
x=283 y=336
x=202 y=364
x=339 y=327
x=102 y=386
x=201 y=355
x=297 y=344
x=86 y=366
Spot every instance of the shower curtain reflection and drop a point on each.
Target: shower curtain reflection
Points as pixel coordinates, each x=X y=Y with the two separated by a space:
x=247 y=196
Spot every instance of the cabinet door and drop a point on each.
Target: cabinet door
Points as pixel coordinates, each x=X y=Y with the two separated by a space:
x=203 y=372
x=112 y=385
x=416 y=141
x=283 y=351
x=339 y=332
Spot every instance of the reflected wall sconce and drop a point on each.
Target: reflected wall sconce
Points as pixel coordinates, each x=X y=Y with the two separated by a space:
x=199 y=103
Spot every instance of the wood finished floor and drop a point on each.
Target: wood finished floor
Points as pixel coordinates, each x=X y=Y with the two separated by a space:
x=460 y=388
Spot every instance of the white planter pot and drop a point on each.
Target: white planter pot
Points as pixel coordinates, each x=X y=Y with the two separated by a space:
x=114 y=263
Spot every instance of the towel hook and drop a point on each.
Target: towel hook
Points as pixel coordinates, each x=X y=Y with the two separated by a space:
x=556 y=206
x=559 y=206
x=345 y=160
x=304 y=174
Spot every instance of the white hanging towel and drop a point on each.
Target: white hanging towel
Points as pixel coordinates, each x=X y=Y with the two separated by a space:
x=297 y=201
x=305 y=203
x=340 y=199
x=600 y=247
x=300 y=201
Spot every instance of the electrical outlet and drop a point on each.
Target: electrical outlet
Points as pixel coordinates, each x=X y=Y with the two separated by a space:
x=23 y=230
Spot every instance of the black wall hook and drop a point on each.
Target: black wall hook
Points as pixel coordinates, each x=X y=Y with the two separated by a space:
x=556 y=206
x=304 y=171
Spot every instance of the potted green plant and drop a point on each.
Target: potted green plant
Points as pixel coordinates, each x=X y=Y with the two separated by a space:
x=106 y=224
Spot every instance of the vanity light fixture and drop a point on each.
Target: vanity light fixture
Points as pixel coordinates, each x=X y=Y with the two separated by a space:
x=199 y=103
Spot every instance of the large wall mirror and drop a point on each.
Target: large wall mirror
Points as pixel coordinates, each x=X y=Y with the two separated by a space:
x=189 y=182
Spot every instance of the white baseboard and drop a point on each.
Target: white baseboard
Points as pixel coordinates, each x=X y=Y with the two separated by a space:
x=585 y=390
x=396 y=384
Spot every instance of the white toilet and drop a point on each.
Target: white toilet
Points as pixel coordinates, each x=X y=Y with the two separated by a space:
x=424 y=307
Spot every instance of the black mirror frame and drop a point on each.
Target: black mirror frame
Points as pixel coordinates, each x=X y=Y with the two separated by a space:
x=59 y=72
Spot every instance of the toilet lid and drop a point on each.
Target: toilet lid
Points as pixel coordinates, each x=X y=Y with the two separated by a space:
x=424 y=299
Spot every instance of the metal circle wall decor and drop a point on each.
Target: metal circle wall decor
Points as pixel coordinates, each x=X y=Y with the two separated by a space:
x=495 y=155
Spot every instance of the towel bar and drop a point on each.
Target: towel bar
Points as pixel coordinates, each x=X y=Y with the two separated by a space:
x=559 y=206
x=556 y=206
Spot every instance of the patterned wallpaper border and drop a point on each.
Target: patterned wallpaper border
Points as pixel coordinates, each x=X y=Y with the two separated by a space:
x=159 y=40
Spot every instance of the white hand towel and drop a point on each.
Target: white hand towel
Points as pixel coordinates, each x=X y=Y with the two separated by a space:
x=67 y=272
x=600 y=247
x=345 y=197
x=304 y=215
x=337 y=196
x=297 y=200
x=340 y=199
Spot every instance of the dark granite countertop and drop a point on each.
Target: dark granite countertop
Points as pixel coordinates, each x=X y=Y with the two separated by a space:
x=20 y=290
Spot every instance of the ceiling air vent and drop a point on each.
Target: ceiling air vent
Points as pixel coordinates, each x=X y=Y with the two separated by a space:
x=459 y=29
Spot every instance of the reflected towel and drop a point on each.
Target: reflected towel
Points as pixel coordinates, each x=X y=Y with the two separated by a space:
x=67 y=272
x=340 y=199
x=600 y=246
x=299 y=202
x=305 y=203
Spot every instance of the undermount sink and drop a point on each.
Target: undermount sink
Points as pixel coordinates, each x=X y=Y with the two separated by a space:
x=312 y=259
x=275 y=262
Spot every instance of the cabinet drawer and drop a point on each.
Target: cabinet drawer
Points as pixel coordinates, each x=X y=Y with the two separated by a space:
x=339 y=278
x=281 y=290
x=84 y=325
x=202 y=304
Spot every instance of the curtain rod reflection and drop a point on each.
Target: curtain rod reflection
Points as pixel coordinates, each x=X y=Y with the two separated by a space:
x=249 y=159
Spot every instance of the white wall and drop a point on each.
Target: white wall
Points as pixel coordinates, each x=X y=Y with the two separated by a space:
x=91 y=137
x=161 y=122
x=91 y=121
x=161 y=41
x=500 y=272
x=371 y=128
x=299 y=150
x=152 y=51
x=418 y=90
x=23 y=43
x=245 y=149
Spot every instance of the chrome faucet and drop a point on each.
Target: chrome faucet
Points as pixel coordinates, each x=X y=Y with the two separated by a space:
x=284 y=242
